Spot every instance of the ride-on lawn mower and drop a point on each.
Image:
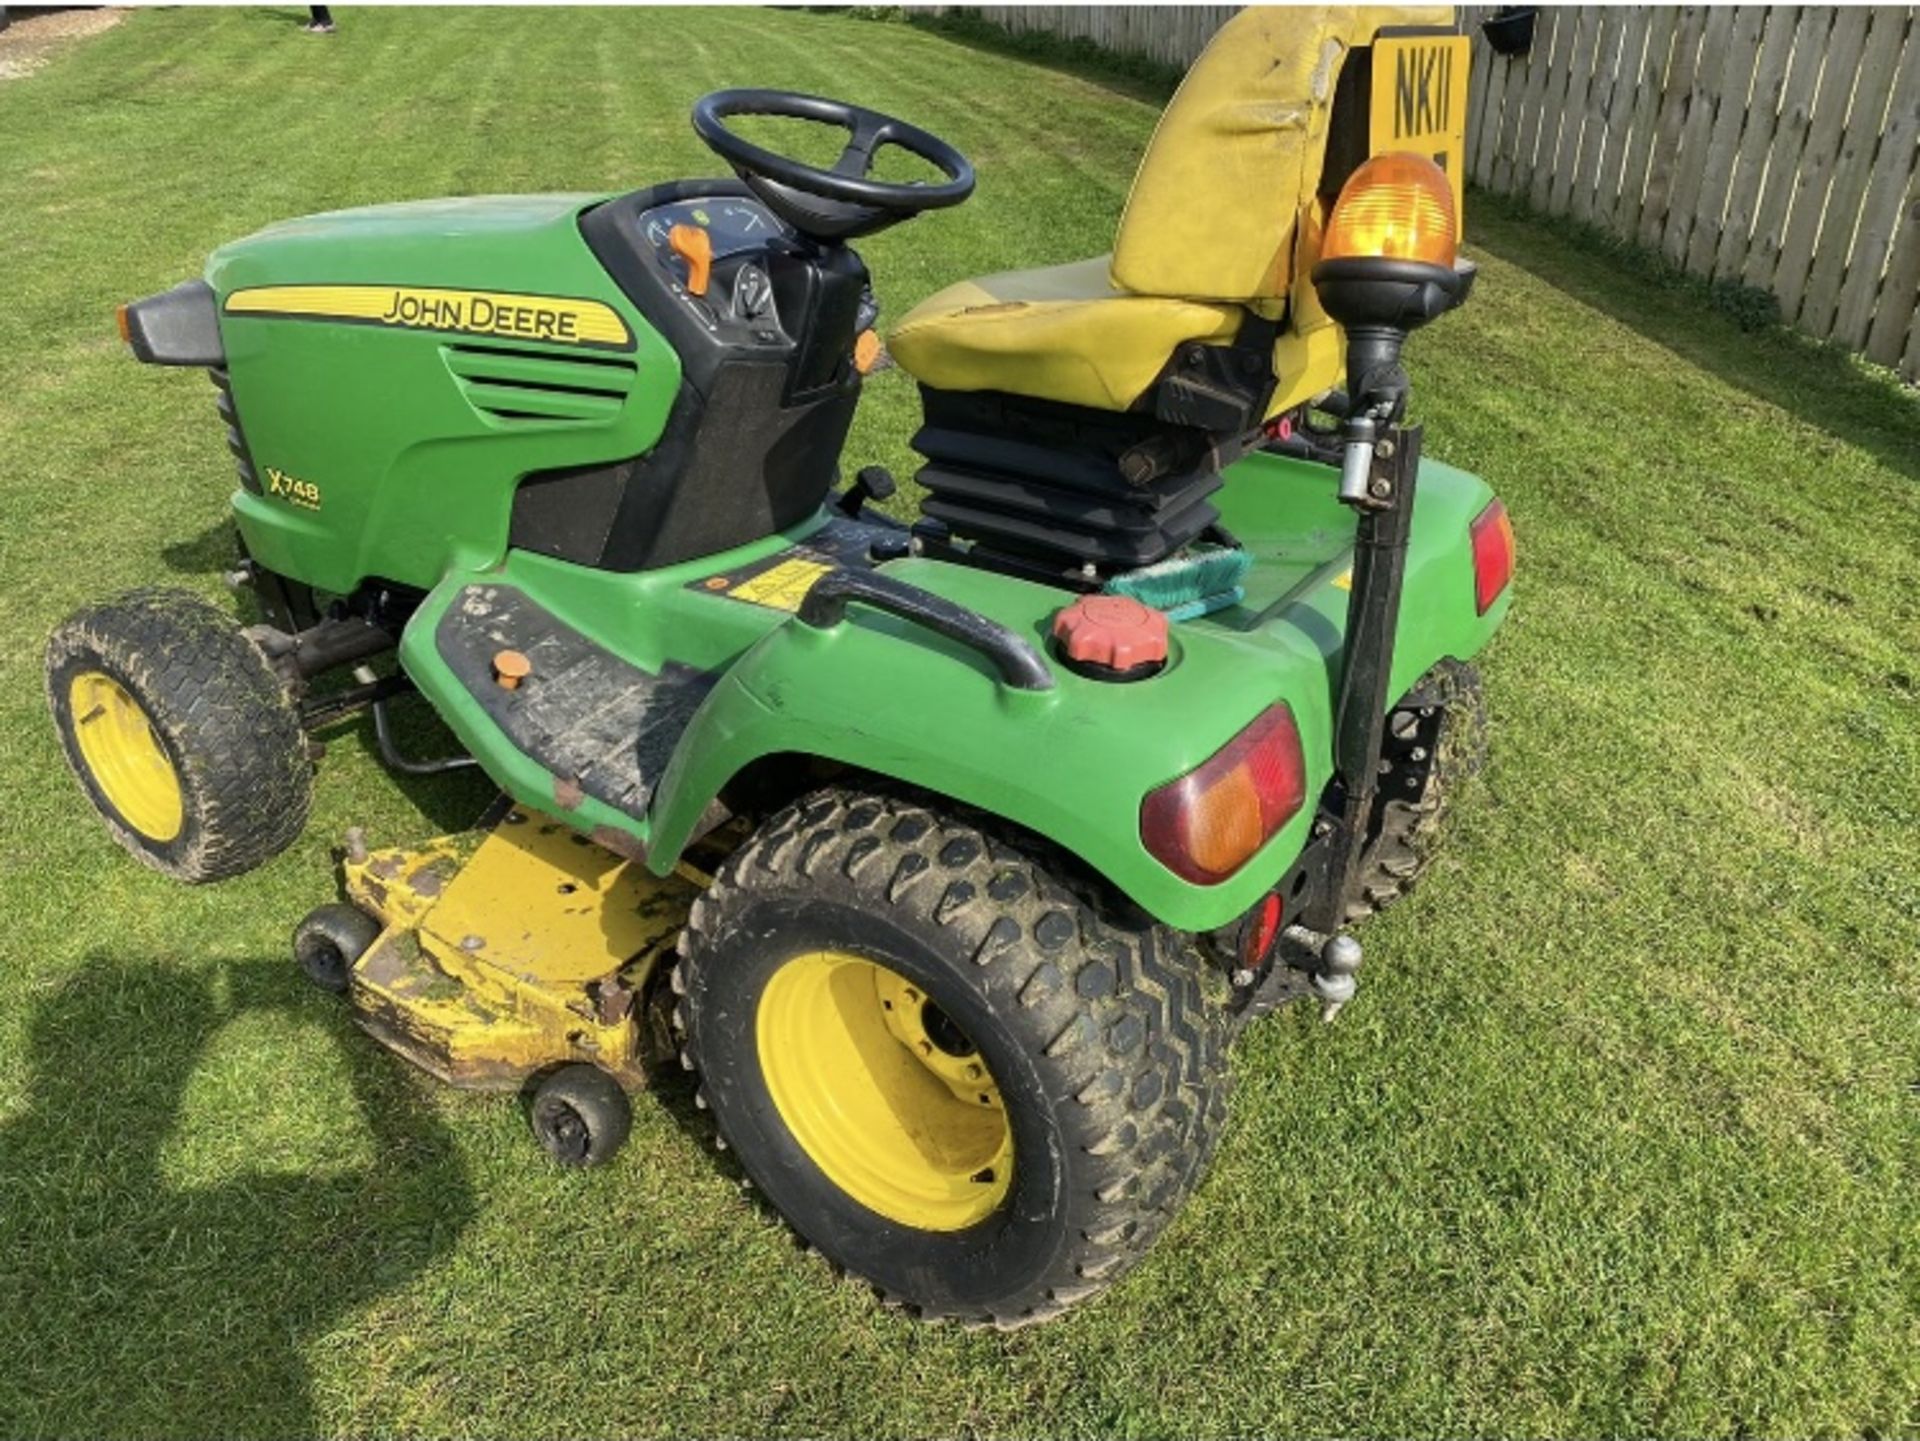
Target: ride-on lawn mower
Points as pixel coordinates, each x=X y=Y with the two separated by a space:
x=949 y=854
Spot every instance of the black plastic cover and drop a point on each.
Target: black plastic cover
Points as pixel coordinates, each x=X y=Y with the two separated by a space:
x=753 y=441
x=1042 y=481
x=180 y=326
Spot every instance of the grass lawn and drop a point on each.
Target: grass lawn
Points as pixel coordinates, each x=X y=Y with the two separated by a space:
x=1620 y=1135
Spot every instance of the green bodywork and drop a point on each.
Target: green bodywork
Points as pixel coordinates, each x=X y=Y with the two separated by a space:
x=415 y=479
x=415 y=484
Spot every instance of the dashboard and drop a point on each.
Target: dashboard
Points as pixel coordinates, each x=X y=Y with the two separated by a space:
x=733 y=288
x=738 y=292
x=732 y=224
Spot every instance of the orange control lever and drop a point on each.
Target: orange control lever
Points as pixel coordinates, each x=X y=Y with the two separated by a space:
x=695 y=246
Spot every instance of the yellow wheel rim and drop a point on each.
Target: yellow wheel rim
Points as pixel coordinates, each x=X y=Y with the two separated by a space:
x=125 y=757
x=883 y=1092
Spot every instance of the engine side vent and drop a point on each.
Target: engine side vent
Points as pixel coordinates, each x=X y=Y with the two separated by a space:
x=236 y=438
x=536 y=386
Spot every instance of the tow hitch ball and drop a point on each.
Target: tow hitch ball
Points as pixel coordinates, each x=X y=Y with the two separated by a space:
x=1335 y=973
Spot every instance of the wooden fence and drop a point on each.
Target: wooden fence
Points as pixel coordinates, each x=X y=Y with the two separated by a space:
x=1171 y=34
x=1770 y=145
x=1773 y=146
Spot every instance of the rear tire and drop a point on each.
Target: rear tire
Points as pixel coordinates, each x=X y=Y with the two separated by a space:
x=1099 y=1051
x=180 y=732
x=1445 y=715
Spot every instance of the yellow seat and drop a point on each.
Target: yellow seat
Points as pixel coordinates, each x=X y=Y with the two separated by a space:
x=1223 y=220
x=1065 y=332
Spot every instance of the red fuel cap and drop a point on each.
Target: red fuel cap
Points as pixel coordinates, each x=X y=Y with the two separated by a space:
x=1111 y=633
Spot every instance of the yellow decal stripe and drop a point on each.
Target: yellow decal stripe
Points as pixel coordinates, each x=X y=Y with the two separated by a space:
x=563 y=320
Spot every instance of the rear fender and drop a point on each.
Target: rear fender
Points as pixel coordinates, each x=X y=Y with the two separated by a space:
x=1073 y=763
x=1070 y=763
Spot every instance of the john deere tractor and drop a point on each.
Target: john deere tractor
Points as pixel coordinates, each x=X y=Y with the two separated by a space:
x=949 y=853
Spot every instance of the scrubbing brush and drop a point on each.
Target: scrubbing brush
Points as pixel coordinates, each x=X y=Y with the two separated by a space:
x=1202 y=578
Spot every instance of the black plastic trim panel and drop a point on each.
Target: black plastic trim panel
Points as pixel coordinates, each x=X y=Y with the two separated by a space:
x=583 y=714
x=180 y=326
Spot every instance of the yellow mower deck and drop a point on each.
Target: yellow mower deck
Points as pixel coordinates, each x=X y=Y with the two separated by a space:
x=507 y=952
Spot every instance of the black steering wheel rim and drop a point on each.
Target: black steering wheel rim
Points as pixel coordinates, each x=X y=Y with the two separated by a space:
x=848 y=182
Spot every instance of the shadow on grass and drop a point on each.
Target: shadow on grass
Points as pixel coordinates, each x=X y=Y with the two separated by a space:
x=214 y=551
x=451 y=800
x=1819 y=384
x=139 y=1307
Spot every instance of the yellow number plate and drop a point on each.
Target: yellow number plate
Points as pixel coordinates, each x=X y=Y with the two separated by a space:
x=1420 y=102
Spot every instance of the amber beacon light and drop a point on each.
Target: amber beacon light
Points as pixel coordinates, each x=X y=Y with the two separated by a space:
x=1388 y=264
x=1394 y=207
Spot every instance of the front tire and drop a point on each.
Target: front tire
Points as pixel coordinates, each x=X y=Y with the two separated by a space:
x=180 y=733
x=979 y=1084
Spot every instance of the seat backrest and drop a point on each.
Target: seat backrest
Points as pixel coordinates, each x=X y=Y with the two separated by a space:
x=1235 y=163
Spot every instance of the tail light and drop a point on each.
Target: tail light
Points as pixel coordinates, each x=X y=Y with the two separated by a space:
x=1262 y=929
x=1204 y=826
x=1492 y=536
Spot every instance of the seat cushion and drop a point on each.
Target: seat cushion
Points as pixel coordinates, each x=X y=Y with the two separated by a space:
x=1067 y=333
x=1223 y=218
x=1063 y=333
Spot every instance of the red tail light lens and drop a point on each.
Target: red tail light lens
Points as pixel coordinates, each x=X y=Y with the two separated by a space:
x=1204 y=826
x=1263 y=927
x=1492 y=554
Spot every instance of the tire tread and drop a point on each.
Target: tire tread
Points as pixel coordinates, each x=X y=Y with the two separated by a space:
x=1138 y=1060
x=232 y=727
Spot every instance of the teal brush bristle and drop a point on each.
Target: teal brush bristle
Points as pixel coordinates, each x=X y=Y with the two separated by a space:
x=1201 y=579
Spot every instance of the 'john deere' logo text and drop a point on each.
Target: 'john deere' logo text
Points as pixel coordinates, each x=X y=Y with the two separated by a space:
x=557 y=319
x=438 y=310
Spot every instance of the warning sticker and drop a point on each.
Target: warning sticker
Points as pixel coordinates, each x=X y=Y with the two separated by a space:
x=781 y=581
x=783 y=587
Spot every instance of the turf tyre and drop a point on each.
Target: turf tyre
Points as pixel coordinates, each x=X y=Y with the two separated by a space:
x=218 y=711
x=1406 y=830
x=1097 y=1024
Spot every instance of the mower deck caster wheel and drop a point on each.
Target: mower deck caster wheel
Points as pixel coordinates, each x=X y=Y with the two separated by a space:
x=580 y=1116
x=330 y=940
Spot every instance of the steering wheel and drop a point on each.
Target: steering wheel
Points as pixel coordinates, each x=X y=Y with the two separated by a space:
x=843 y=202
